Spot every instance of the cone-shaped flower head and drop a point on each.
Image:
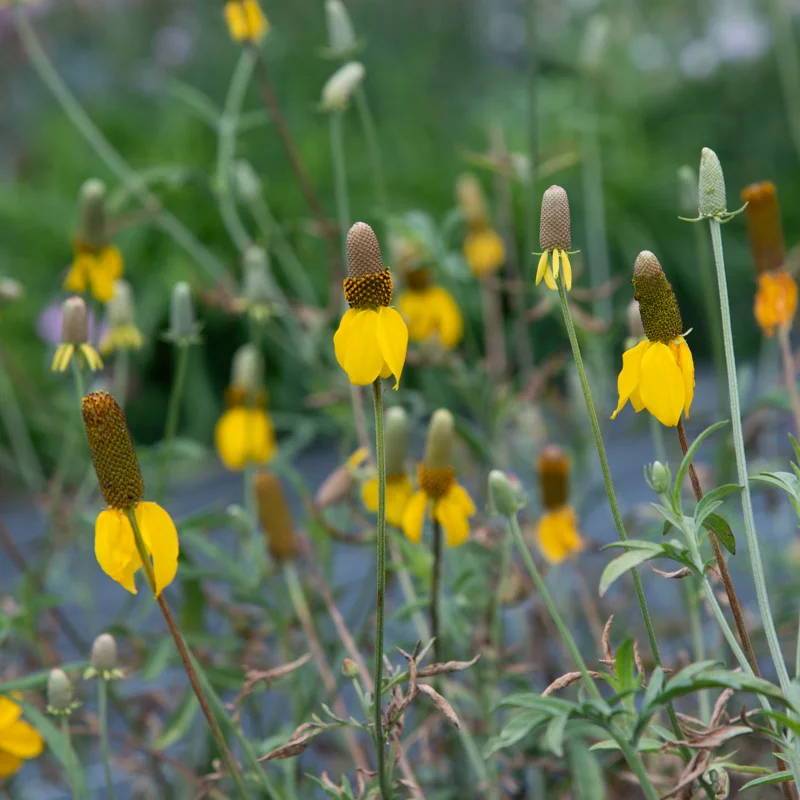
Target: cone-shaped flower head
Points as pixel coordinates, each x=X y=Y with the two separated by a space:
x=341 y=36
x=104 y=660
x=712 y=201
x=555 y=239
x=245 y=20
x=557 y=529
x=60 y=696
x=122 y=333
x=183 y=327
x=92 y=222
x=341 y=86
x=274 y=514
x=19 y=741
x=657 y=373
x=449 y=503
x=75 y=337
x=776 y=297
x=122 y=488
x=372 y=338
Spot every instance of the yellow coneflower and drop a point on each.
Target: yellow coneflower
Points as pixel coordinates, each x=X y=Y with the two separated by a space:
x=439 y=493
x=122 y=333
x=430 y=311
x=274 y=515
x=122 y=487
x=244 y=433
x=75 y=337
x=484 y=250
x=245 y=20
x=372 y=337
x=555 y=239
x=97 y=263
x=19 y=741
x=557 y=529
x=398 y=486
x=658 y=373
x=776 y=298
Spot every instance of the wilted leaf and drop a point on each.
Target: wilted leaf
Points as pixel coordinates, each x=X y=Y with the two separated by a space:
x=440 y=703
x=567 y=680
x=446 y=667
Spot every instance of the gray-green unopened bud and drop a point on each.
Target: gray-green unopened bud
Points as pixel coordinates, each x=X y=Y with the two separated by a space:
x=439 y=446
x=104 y=653
x=687 y=190
x=350 y=668
x=711 y=196
x=257 y=281
x=339 y=88
x=505 y=498
x=246 y=181
x=121 y=309
x=182 y=323
x=660 y=477
x=247 y=371
x=341 y=36
x=396 y=440
x=74 y=321
x=92 y=223
x=60 y=699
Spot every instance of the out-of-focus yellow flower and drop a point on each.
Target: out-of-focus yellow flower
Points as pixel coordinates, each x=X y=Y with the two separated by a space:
x=398 y=493
x=555 y=239
x=430 y=311
x=372 y=337
x=776 y=301
x=244 y=436
x=95 y=271
x=484 y=250
x=657 y=373
x=122 y=333
x=74 y=337
x=245 y=20
x=122 y=487
x=18 y=740
x=557 y=529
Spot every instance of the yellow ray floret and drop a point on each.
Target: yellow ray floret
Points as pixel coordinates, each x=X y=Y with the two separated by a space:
x=18 y=739
x=244 y=436
x=550 y=271
x=484 y=250
x=95 y=271
x=451 y=509
x=65 y=352
x=398 y=493
x=557 y=534
x=245 y=20
x=776 y=301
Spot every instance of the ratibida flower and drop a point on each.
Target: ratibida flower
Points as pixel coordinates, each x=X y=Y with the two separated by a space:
x=484 y=250
x=439 y=494
x=75 y=337
x=245 y=20
x=557 y=529
x=120 y=479
x=97 y=263
x=398 y=486
x=657 y=373
x=372 y=337
x=244 y=434
x=555 y=239
x=430 y=311
x=19 y=741
x=776 y=298
x=122 y=332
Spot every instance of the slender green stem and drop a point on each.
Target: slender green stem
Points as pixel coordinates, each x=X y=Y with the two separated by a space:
x=340 y=179
x=102 y=713
x=186 y=659
x=380 y=450
x=77 y=789
x=609 y=486
x=373 y=149
x=698 y=644
x=634 y=759
x=77 y=379
x=436 y=575
x=173 y=411
x=213 y=267
x=788 y=65
x=741 y=465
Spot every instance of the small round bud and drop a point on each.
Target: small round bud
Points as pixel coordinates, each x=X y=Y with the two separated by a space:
x=92 y=223
x=660 y=477
x=60 y=699
x=633 y=320
x=246 y=181
x=341 y=36
x=74 y=321
x=439 y=445
x=687 y=190
x=711 y=196
x=350 y=668
x=121 y=309
x=504 y=497
x=555 y=225
x=341 y=86
x=182 y=322
x=247 y=372
x=396 y=433
x=104 y=653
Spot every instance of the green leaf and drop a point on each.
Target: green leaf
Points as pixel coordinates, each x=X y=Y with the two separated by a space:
x=653 y=688
x=625 y=667
x=179 y=722
x=768 y=780
x=588 y=782
x=517 y=728
x=532 y=700
x=620 y=565
x=553 y=738
x=687 y=459
x=717 y=524
x=643 y=745
x=157 y=660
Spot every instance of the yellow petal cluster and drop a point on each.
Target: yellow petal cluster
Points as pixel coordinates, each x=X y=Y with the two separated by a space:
x=484 y=250
x=551 y=262
x=432 y=313
x=244 y=436
x=18 y=739
x=398 y=493
x=557 y=534
x=95 y=271
x=65 y=352
x=245 y=20
x=776 y=300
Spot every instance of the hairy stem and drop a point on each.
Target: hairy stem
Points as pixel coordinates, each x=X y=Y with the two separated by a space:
x=102 y=714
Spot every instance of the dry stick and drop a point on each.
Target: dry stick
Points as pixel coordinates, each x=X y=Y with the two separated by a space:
x=733 y=600
x=493 y=326
x=790 y=374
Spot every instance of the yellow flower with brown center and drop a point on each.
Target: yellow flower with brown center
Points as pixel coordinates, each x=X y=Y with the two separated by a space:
x=75 y=337
x=245 y=20
x=555 y=239
x=18 y=740
x=122 y=487
x=372 y=337
x=776 y=298
x=430 y=311
x=244 y=433
x=483 y=248
x=439 y=494
x=657 y=373
x=557 y=529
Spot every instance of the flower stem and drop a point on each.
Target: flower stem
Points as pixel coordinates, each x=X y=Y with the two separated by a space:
x=634 y=759
x=77 y=375
x=102 y=713
x=788 y=65
x=790 y=374
x=436 y=575
x=185 y=657
x=173 y=410
x=373 y=150
x=690 y=587
x=76 y=784
x=380 y=451
x=741 y=464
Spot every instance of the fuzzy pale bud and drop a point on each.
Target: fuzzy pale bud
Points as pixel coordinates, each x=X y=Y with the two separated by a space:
x=121 y=309
x=660 y=479
x=439 y=445
x=104 y=653
x=555 y=224
x=74 y=321
x=661 y=317
x=712 y=201
x=92 y=222
x=350 y=668
x=10 y=290
x=182 y=322
x=341 y=86
x=505 y=497
x=247 y=370
x=396 y=433
x=341 y=36
x=246 y=181
x=257 y=282
x=60 y=698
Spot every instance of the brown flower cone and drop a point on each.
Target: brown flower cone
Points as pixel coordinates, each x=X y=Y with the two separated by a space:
x=658 y=307
x=555 y=227
x=553 y=477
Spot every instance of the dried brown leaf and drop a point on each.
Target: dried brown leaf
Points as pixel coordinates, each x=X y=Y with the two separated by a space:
x=446 y=667
x=637 y=658
x=566 y=680
x=719 y=707
x=298 y=742
x=683 y=572
x=608 y=653
x=440 y=703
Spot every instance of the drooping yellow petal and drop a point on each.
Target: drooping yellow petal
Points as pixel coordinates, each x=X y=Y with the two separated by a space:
x=77 y=277
x=245 y=20
x=413 y=306
x=101 y=282
x=393 y=340
x=262 y=442
x=244 y=435
x=776 y=300
x=453 y=512
x=542 y=268
x=686 y=363
x=161 y=540
x=557 y=534
x=110 y=262
x=10 y=712
x=566 y=268
x=369 y=494
x=484 y=251
x=115 y=548
x=556 y=262
x=62 y=357
x=447 y=314
x=661 y=384
x=628 y=380
x=21 y=740
x=636 y=400
x=398 y=493
x=92 y=357
x=414 y=516
x=8 y=764
x=357 y=348
x=549 y=280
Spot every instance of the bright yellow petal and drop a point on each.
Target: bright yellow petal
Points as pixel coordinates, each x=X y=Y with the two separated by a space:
x=261 y=436
x=230 y=438
x=566 y=268
x=77 y=276
x=484 y=251
x=393 y=340
x=398 y=493
x=62 y=357
x=9 y=712
x=21 y=739
x=8 y=764
x=110 y=260
x=557 y=534
x=556 y=262
x=661 y=384
x=542 y=268
x=686 y=363
x=447 y=315
x=628 y=380
x=549 y=280
x=115 y=548
x=92 y=357
x=161 y=539
x=357 y=348
x=101 y=282
x=412 y=305
x=414 y=516
x=369 y=494
x=453 y=511
x=636 y=400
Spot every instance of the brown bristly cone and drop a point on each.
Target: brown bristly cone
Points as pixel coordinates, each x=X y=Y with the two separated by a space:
x=273 y=511
x=553 y=469
x=363 y=252
x=74 y=321
x=554 y=225
x=112 y=451
x=658 y=307
x=764 y=229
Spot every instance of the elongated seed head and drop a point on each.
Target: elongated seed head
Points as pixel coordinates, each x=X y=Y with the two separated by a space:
x=92 y=222
x=661 y=317
x=274 y=514
x=182 y=321
x=247 y=370
x=74 y=321
x=764 y=229
x=368 y=284
x=711 y=195
x=439 y=445
x=112 y=451
x=554 y=226
x=553 y=469
x=397 y=433
x=471 y=199
x=341 y=36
